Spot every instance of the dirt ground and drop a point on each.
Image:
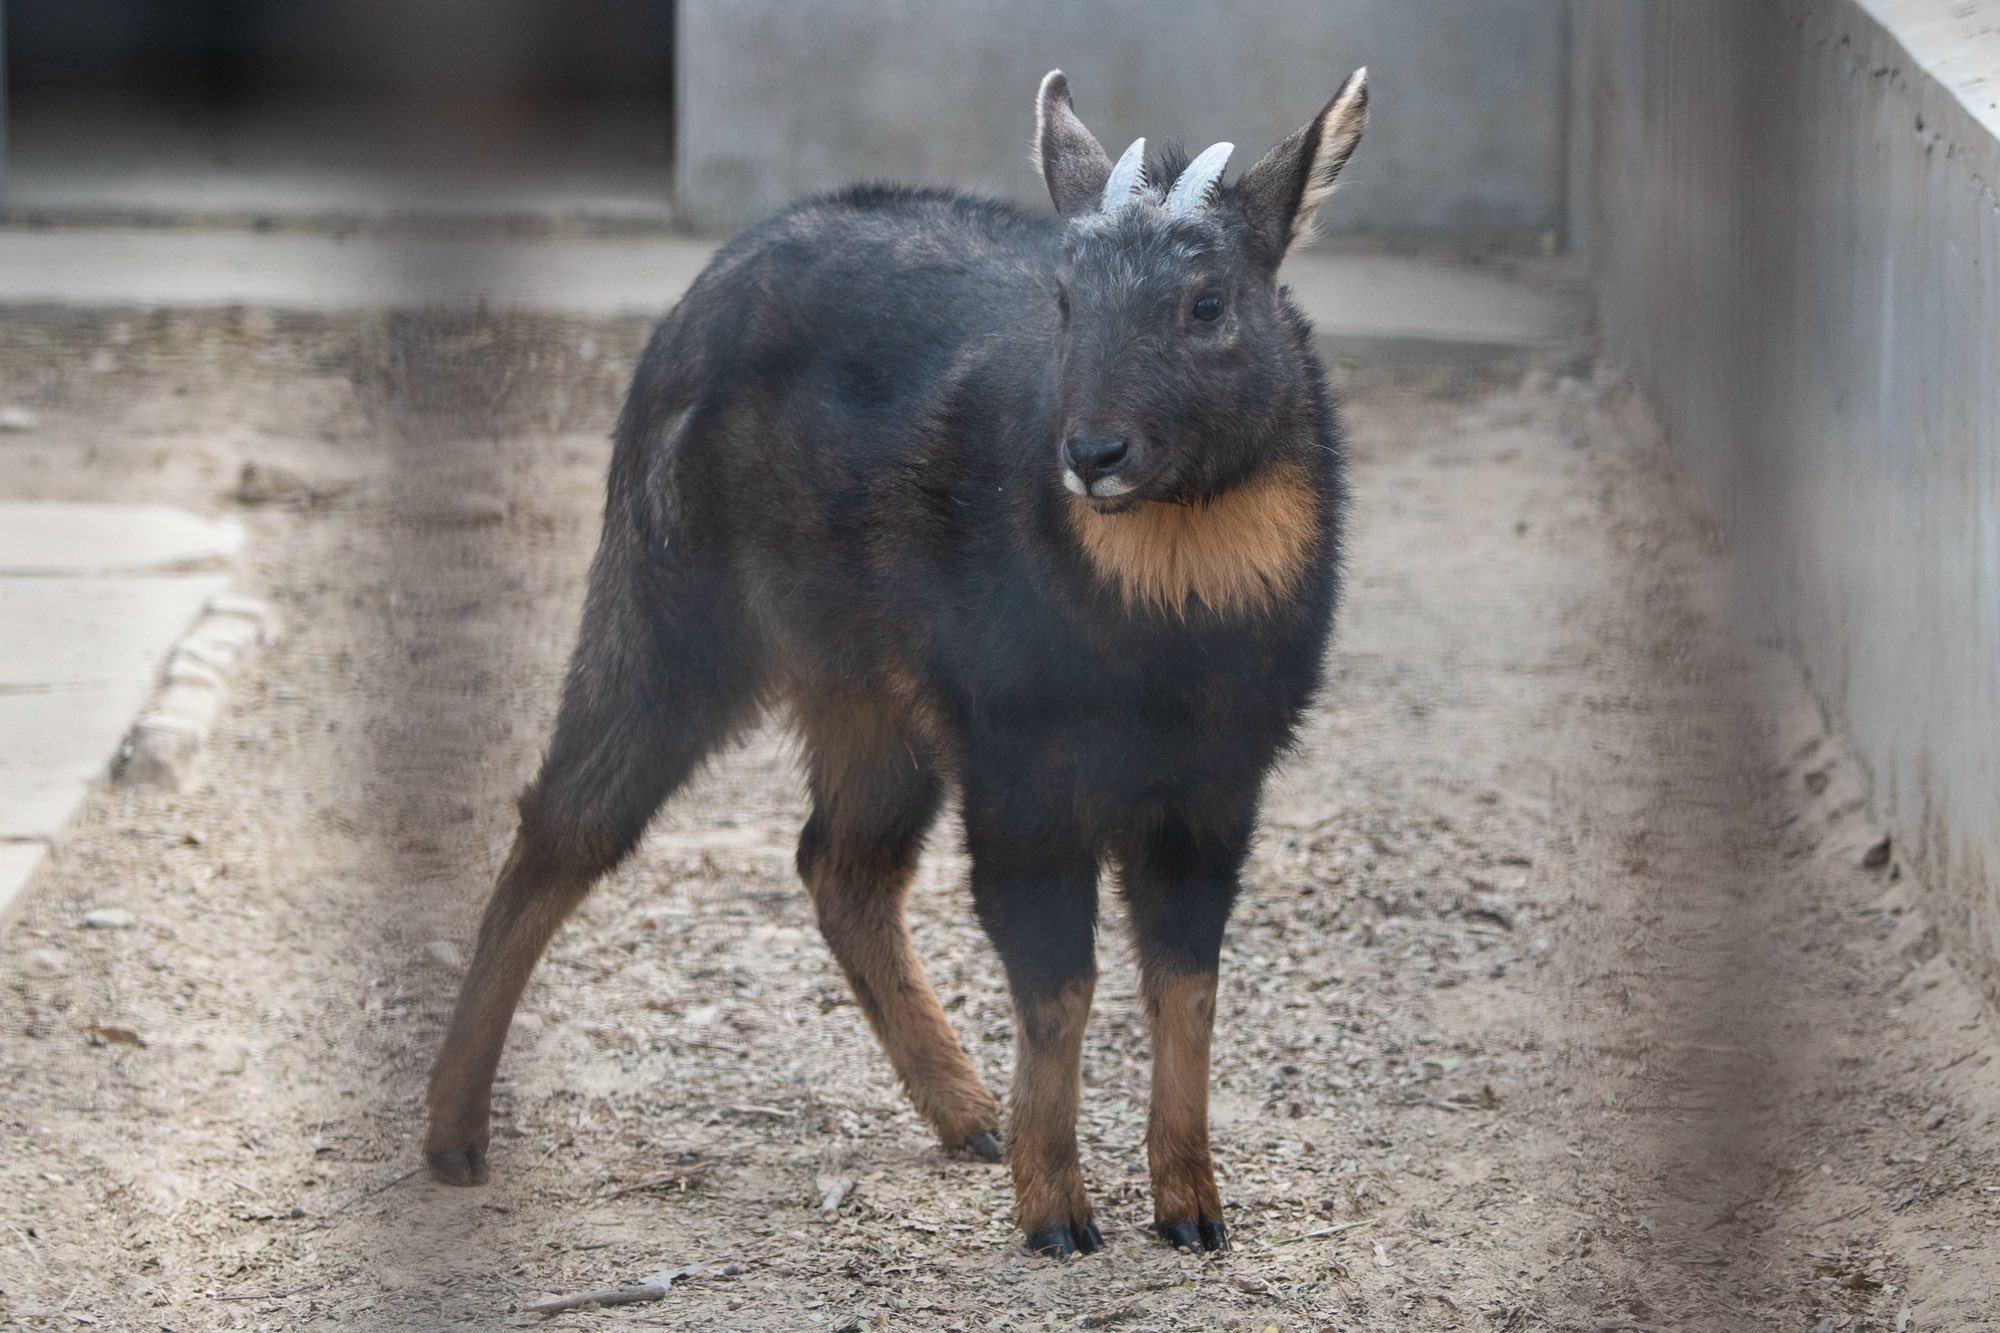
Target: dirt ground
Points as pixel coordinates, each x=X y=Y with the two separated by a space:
x=1561 y=997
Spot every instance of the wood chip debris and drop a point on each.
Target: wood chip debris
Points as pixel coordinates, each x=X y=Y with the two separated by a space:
x=653 y=1288
x=1334 y=1230
x=833 y=1191
x=681 y=1178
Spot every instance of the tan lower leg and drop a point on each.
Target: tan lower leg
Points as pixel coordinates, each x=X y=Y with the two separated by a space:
x=527 y=907
x=1041 y=1125
x=1181 y=1009
x=864 y=927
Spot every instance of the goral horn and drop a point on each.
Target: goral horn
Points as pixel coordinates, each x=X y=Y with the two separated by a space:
x=1128 y=179
x=1197 y=184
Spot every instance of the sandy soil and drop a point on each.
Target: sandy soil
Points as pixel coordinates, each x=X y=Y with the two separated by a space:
x=1561 y=998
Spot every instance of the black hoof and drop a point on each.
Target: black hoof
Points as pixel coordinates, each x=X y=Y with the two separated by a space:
x=1055 y=1242
x=458 y=1166
x=1059 y=1242
x=985 y=1145
x=1191 y=1236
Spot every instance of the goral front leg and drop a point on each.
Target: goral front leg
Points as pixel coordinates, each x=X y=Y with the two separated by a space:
x=1180 y=882
x=1034 y=884
x=1050 y=1203
x=1187 y=1207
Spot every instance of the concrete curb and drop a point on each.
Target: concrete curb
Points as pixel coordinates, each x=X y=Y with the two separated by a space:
x=166 y=745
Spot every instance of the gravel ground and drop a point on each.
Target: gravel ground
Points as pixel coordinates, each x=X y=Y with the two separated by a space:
x=1561 y=997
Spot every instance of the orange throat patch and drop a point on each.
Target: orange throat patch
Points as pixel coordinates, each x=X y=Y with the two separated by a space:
x=1234 y=555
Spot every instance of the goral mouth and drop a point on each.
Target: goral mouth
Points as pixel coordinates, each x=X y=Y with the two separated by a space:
x=1107 y=495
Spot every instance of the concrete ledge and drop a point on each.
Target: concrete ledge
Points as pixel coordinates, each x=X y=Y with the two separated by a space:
x=1956 y=43
x=1349 y=294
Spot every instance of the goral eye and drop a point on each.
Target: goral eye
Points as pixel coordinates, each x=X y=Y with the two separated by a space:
x=1207 y=309
x=1062 y=301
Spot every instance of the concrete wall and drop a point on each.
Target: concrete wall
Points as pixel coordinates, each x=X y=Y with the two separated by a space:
x=3 y=103
x=778 y=99
x=1789 y=208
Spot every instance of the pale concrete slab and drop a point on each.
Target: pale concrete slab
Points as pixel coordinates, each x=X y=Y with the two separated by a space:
x=51 y=538
x=18 y=863
x=78 y=633
x=92 y=599
x=56 y=743
x=1348 y=294
x=79 y=659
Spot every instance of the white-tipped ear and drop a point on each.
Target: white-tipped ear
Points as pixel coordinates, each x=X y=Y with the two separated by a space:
x=1073 y=164
x=1283 y=192
x=1340 y=127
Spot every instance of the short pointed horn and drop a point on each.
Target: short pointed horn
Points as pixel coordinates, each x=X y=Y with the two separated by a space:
x=1128 y=177
x=1197 y=184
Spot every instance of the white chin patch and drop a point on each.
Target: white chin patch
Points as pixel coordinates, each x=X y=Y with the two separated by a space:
x=1074 y=482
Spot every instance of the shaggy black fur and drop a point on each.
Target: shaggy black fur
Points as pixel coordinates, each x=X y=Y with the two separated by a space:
x=838 y=483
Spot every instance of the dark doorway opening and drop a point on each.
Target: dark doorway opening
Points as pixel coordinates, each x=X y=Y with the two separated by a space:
x=335 y=109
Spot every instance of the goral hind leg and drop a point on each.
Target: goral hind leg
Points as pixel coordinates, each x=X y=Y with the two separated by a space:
x=873 y=800
x=663 y=672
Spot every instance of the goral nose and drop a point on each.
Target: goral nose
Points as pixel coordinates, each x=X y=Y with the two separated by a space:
x=1094 y=457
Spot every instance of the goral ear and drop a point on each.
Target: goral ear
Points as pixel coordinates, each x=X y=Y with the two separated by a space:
x=1281 y=194
x=1073 y=164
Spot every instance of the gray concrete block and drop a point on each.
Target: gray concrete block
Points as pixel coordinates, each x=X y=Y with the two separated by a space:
x=1467 y=136
x=166 y=746
x=164 y=750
